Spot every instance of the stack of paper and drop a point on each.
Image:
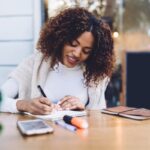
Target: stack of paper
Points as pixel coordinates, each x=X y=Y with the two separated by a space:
x=58 y=115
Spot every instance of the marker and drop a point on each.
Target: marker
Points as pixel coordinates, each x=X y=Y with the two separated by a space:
x=66 y=126
x=41 y=91
x=76 y=121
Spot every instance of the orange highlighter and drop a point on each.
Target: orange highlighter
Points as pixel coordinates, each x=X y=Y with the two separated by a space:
x=76 y=121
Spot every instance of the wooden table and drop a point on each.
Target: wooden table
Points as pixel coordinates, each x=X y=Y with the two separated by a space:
x=105 y=132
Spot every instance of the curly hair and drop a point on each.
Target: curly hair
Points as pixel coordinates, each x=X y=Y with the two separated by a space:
x=66 y=27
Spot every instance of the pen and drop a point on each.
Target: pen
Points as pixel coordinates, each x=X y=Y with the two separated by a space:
x=66 y=126
x=57 y=106
x=41 y=90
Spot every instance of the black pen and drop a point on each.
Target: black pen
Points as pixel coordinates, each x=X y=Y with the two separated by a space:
x=41 y=91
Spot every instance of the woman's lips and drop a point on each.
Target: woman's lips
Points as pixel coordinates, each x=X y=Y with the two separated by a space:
x=72 y=60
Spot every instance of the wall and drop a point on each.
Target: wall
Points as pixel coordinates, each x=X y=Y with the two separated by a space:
x=20 y=22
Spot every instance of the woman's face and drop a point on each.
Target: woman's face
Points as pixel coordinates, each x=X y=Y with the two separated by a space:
x=78 y=50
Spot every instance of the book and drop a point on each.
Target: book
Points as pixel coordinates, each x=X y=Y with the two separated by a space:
x=128 y=112
x=58 y=115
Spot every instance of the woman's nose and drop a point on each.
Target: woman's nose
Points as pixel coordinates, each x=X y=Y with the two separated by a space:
x=77 y=51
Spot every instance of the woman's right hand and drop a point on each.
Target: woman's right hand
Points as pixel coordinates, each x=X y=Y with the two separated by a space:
x=37 y=106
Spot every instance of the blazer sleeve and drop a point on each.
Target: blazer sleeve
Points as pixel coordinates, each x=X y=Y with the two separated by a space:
x=23 y=76
x=9 y=91
x=97 y=95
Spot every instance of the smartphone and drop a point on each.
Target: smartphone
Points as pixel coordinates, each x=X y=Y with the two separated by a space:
x=32 y=127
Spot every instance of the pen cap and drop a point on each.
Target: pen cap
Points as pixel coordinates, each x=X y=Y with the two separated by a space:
x=67 y=119
x=76 y=121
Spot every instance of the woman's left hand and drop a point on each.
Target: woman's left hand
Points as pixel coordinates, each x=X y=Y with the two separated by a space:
x=71 y=103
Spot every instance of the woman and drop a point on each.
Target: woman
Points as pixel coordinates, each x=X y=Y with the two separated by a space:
x=73 y=64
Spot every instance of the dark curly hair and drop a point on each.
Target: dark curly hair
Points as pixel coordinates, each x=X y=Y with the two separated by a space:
x=67 y=26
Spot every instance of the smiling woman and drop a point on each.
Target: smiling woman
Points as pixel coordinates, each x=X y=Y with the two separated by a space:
x=75 y=57
x=78 y=50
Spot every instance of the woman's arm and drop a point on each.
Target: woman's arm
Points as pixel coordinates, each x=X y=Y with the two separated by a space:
x=40 y=105
x=9 y=91
x=37 y=106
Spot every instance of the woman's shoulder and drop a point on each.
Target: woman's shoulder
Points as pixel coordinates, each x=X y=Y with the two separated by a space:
x=38 y=56
x=101 y=84
x=35 y=56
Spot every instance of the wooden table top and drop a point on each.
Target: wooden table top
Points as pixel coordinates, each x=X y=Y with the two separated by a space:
x=105 y=132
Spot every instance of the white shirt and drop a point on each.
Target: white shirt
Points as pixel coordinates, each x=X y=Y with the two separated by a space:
x=66 y=81
x=60 y=82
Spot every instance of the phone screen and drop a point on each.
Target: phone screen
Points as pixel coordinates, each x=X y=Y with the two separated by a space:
x=33 y=125
x=37 y=126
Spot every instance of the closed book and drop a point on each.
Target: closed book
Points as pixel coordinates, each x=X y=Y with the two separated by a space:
x=128 y=112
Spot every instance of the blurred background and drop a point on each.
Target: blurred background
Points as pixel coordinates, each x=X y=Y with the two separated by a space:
x=21 y=20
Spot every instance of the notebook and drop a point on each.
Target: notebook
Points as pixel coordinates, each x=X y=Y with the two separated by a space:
x=58 y=115
x=128 y=112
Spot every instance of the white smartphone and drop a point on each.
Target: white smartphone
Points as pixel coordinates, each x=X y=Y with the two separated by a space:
x=31 y=127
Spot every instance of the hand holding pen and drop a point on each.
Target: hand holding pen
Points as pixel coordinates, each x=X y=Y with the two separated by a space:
x=53 y=106
x=39 y=105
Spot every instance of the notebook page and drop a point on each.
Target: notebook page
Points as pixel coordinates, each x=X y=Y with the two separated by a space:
x=58 y=115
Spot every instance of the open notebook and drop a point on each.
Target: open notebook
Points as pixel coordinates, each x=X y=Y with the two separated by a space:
x=128 y=112
x=58 y=115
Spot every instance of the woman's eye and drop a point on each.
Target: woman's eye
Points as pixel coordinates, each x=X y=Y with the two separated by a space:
x=87 y=51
